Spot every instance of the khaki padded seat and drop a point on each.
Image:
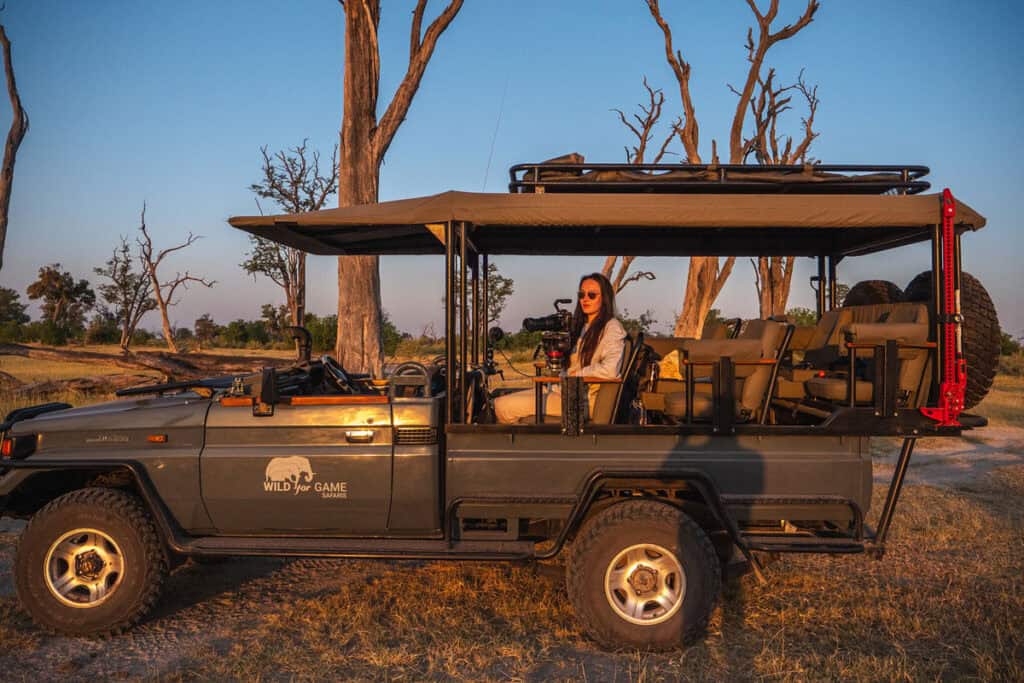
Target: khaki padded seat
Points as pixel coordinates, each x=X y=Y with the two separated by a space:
x=837 y=389
x=904 y=323
x=759 y=339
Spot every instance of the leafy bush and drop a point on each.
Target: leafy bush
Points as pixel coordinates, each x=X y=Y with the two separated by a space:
x=11 y=332
x=103 y=329
x=324 y=331
x=391 y=336
x=46 y=332
x=803 y=317
x=641 y=323
x=1008 y=345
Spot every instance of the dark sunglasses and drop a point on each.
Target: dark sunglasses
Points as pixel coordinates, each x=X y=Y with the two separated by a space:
x=589 y=295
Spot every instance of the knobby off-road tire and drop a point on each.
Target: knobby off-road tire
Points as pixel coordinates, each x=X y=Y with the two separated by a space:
x=869 y=292
x=90 y=563
x=638 y=545
x=981 y=330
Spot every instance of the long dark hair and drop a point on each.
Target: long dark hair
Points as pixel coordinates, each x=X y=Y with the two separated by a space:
x=579 y=318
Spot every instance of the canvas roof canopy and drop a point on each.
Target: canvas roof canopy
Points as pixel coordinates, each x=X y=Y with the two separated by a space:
x=624 y=224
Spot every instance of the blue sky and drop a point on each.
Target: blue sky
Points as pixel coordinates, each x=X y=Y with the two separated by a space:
x=168 y=103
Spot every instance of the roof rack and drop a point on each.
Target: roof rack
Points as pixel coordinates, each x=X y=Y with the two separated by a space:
x=559 y=176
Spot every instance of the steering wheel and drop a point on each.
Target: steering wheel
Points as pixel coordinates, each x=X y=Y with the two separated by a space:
x=337 y=375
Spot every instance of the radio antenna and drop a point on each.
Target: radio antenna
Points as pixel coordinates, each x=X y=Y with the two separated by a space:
x=497 y=124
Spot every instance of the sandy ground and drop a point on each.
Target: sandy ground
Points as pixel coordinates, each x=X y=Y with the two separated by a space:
x=207 y=607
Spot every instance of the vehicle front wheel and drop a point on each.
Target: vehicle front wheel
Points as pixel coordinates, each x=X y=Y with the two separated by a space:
x=90 y=563
x=643 y=574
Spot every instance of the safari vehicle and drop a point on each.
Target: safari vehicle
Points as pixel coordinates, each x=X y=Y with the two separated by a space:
x=759 y=443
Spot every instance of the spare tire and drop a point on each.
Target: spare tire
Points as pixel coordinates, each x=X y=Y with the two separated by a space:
x=869 y=292
x=980 y=329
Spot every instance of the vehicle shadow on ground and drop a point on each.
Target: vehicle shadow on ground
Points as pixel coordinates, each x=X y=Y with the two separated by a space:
x=194 y=583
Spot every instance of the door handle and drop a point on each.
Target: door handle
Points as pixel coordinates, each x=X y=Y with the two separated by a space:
x=359 y=435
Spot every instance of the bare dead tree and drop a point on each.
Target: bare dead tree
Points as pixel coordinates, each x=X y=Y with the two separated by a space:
x=128 y=291
x=773 y=275
x=707 y=275
x=164 y=292
x=641 y=125
x=16 y=133
x=291 y=179
x=364 y=142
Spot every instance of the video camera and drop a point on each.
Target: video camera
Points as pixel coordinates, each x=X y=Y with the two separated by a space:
x=555 y=339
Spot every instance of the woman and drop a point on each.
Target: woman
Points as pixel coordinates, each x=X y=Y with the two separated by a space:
x=597 y=338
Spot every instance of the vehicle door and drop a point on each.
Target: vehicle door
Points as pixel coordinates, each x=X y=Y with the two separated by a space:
x=318 y=464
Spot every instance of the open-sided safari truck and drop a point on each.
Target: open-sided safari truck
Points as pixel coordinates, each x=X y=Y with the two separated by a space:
x=746 y=441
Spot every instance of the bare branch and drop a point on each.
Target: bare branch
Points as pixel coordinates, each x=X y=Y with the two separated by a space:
x=756 y=50
x=416 y=28
x=418 y=59
x=635 y=277
x=811 y=95
x=689 y=134
x=609 y=265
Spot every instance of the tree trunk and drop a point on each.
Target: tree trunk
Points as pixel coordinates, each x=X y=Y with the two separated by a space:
x=359 y=346
x=165 y=322
x=704 y=281
x=19 y=127
x=773 y=276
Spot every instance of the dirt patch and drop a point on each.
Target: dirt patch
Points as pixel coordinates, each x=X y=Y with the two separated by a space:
x=952 y=462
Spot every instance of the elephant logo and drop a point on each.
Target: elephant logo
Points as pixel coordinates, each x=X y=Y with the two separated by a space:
x=294 y=470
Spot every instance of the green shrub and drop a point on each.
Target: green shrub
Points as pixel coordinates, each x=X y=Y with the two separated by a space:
x=11 y=332
x=1008 y=345
x=46 y=332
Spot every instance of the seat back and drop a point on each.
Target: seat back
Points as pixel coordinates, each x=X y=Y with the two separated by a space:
x=607 y=396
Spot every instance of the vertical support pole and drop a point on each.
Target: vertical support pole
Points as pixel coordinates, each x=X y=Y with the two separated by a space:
x=895 y=486
x=475 y=318
x=484 y=322
x=449 y=321
x=821 y=286
x=689 y=387
x=463 y=366
x=833 y=284
x=851 y=380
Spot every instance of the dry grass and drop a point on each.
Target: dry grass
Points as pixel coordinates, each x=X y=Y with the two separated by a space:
x=1005 y=405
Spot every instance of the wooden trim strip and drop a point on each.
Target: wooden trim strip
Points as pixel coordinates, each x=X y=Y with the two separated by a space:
x=586 y=380
x=335 y=400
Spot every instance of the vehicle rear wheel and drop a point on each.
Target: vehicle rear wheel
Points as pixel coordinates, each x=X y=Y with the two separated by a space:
x=643 y=574
x=981 y=330
x=872 y=292
x=90 y=563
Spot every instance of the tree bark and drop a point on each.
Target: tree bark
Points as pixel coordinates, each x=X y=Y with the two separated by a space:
x=19 y=127
x=364 y=142
x=359 y=347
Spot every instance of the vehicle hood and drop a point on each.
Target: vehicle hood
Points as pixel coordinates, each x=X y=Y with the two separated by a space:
x=146 y=414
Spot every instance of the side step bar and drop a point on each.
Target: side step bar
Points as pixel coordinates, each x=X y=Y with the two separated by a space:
x=784 y=543
x=359 y=547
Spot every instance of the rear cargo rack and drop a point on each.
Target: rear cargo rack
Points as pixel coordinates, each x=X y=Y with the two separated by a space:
x=557 y=176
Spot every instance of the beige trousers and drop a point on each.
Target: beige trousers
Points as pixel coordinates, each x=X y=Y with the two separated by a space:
x=510 y=408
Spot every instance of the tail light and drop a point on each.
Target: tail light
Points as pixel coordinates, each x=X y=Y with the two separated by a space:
x=18 y=447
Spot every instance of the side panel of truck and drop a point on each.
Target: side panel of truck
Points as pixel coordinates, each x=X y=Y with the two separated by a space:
x=495 y=465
